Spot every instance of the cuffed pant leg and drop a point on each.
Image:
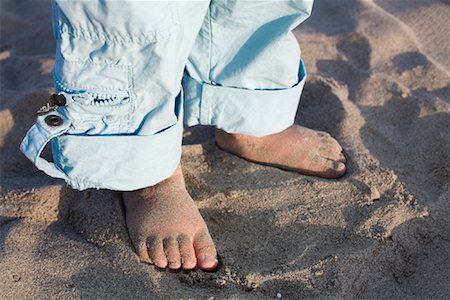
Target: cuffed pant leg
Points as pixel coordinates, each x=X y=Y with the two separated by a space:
x=120 y=65
x=245 y=74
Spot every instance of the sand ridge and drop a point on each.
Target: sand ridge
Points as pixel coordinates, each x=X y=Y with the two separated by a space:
x=378 y=81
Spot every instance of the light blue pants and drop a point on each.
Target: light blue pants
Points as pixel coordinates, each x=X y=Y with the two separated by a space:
x=119 y=66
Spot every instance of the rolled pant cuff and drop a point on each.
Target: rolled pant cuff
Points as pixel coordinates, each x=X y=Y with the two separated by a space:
x=118 y=162
x=236 y=110
x=121 y=162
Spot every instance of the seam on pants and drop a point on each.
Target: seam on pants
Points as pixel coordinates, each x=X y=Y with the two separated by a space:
x=132 y=98
x=74 y=85
x=205 y=106
x=210 y=42
x=55 y=28
x=90 y=35
x=210 y=58
x=95 y=32
x=175 y=16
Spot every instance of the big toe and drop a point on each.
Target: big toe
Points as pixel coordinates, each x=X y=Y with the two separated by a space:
x=205 y=251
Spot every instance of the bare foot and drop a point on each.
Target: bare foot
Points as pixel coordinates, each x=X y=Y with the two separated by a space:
x=166 y=227
x=297 y=148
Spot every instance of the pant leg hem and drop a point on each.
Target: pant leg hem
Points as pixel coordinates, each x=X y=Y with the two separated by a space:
x=236 y=110
x=119 y=162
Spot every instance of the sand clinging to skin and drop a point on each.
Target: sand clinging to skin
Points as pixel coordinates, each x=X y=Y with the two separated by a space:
x=379 y=81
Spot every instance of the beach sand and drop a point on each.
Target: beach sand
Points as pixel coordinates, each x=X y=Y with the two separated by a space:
x=379 y=81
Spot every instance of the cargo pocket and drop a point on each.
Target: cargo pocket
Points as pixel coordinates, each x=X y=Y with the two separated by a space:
x=100 y=97
x=116 y=21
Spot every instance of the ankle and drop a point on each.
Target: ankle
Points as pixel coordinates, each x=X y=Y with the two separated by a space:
x=230 y=142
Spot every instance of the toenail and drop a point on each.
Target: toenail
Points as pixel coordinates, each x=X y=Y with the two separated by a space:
x=209 y=258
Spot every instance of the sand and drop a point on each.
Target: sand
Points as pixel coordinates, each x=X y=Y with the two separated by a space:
x=379 y=80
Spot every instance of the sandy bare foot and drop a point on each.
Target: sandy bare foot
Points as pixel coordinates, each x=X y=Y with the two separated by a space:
x=166 y=227
x=297 y=149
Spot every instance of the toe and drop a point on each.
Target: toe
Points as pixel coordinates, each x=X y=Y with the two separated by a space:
x=330 y=141
x=188 y=259
x=156 y=251
x=172 y=253
x=205 y=251
x=342 y=158
x=337 y=147
x=142 y=252
x=332 y=154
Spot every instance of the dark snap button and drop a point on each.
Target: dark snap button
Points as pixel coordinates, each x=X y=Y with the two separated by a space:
x=60 y=100
x=53 y=120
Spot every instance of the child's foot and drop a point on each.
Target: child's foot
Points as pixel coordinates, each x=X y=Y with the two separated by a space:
x=166 y=227
x=297 y=148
